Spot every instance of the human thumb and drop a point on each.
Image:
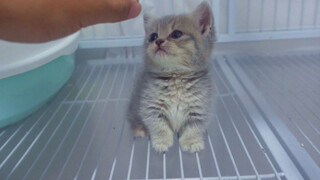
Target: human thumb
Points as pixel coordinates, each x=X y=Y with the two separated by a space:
x=134 y=9
x=107 y=11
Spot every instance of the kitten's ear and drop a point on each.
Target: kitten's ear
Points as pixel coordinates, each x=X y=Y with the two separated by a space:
x=204 y=17
x=148 y=18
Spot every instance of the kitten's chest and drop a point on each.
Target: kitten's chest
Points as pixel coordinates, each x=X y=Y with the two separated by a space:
x=177 y=99
x=176 y=91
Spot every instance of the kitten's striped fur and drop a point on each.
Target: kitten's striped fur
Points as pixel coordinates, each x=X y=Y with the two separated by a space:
x=174 y=91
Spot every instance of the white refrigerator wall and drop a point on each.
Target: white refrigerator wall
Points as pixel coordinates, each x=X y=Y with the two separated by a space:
x=232 y=16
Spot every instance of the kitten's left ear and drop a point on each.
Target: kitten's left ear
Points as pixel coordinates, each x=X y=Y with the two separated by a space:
x=148 y=19
x=204 y=17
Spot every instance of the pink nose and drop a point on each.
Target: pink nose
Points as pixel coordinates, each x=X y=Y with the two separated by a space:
x=159 y=42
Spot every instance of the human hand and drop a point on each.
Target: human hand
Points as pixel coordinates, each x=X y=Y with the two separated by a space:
x=45 y=20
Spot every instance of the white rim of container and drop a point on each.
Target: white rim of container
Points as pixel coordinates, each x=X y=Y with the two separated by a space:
x=65 y=46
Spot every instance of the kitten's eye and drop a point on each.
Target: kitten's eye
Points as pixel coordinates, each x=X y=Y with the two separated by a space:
x=153 y=37
x=176 y=34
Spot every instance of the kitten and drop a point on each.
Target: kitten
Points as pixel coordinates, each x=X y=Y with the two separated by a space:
x=174 y=91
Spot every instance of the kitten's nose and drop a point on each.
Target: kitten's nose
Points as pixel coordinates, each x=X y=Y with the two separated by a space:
x=159 y=42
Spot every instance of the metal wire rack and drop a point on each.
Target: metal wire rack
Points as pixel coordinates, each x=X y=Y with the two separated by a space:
x=83 y=134
x=290 y=83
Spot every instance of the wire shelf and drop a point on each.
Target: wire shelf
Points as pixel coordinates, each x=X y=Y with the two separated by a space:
x=290 y=83
x=83 y=134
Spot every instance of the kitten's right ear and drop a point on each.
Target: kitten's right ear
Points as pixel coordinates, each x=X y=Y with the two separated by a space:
x=148 y=19
x=204 y=17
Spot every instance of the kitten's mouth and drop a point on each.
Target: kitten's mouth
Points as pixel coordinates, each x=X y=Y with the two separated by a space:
x=161 y=52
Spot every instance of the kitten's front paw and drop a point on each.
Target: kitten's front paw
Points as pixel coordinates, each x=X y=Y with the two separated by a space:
x=162 y=144
x=140 y=132
x=191 y=144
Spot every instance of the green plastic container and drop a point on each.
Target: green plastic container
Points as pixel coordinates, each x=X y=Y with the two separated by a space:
x=31 y=74
x=24 y=93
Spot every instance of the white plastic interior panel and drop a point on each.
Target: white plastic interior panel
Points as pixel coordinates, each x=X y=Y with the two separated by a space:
x=235 y=20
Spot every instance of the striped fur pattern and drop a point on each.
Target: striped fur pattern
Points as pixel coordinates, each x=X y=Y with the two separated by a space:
x=173 y=92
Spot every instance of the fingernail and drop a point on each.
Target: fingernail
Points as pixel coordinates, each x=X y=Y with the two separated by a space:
x=134 y=10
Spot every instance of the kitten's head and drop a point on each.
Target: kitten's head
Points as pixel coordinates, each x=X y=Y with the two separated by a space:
x=179 y=43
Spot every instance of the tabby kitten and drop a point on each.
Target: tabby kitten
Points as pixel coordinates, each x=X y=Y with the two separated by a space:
x=174 y=91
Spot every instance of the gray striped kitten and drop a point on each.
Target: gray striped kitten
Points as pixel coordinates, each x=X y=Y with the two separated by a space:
x=174 y=91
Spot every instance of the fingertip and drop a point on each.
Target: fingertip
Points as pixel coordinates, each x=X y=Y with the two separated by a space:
x=135 y=9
